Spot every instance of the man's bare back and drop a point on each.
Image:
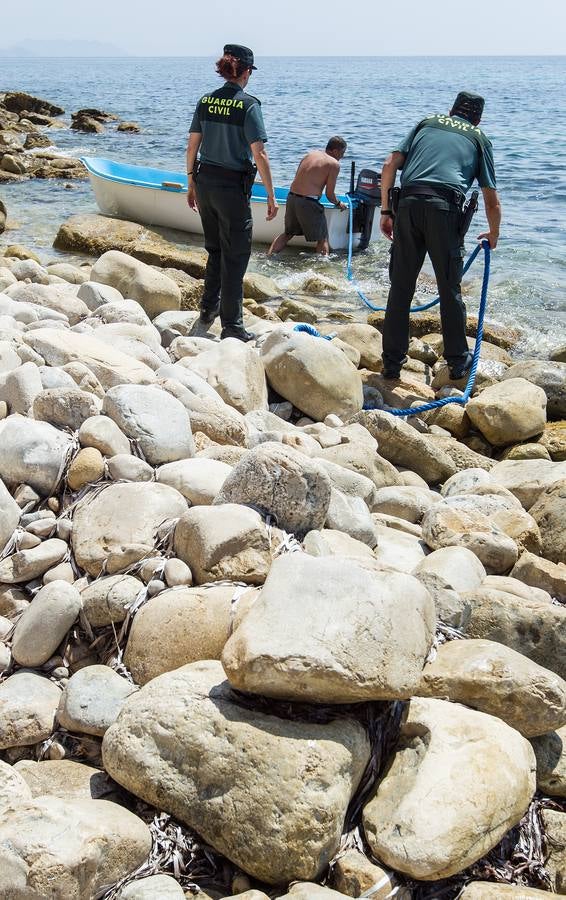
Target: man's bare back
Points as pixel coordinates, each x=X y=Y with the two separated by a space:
x=317 y=171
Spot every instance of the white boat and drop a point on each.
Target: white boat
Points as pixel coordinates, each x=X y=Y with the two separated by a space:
x=158 y=197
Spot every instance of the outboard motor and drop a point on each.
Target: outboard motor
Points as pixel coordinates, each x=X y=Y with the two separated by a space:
x=368 y=194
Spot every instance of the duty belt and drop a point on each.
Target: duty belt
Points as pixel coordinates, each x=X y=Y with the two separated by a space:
x=231 y=174
x=429 y=189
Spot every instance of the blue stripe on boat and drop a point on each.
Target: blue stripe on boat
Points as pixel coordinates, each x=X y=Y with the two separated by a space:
x=144 y=176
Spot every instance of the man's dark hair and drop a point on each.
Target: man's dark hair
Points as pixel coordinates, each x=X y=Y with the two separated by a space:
x=336 y=143
x=468 y=106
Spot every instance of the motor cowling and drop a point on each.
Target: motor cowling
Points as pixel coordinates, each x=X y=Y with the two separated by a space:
x=368 y=195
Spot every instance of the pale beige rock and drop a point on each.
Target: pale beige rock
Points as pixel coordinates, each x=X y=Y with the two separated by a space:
x=237 y=774
x=63 y=572
x=69 y=848
x=66 y=779
x=156 y=887
x=488 y=890
x=179 y=626
x=86 y=468
x=107 y=600
x=397 y=549
x=12 y=601
x=28 y=704
x=214 y=418
x=528 y=478
x=550 y=752
x=13 y=787
x=119 y=526
x=26 y=565
x=64 y=407
x=110 y=366
x=92 y=699
x=45 y=622
x=9 y=515
x=102 y=433
x=509 y=412
x=198 y=480
x=535 y=629
x=549 y=512
x=360 y=460
x=127 y=467
x=328 y=542
x=235 y=371
x=497 y=680
x=226 y=542
x=136 y=280
x=296 y=642
x=312 y=374
x=404 y=501
x=294 y=490
x=366 y=339
x=542 y=573
x=57 y=298
x=354 y=874
x=32 y=453
x=402 y=445
x=554 y=826
x=303 y=890
x=446 y=526
x=445 y=751
x=511 y=585
x=456 y=568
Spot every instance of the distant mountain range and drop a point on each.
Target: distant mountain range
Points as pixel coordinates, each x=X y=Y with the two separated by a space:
x=30 y=48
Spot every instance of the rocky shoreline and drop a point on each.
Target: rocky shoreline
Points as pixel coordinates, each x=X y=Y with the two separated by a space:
x=256 y=640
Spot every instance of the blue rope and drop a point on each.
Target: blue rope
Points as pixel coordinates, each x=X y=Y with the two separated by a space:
x=352 y=277
x=444 y=401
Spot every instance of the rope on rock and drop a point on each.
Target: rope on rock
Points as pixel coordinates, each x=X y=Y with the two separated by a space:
x=444 y=401
x=352 y=277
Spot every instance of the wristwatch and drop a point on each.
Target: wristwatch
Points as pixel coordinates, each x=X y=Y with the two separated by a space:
x=387 y=212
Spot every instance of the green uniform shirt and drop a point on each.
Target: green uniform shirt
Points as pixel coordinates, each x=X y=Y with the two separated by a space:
x=229 y=121
x=444 y=150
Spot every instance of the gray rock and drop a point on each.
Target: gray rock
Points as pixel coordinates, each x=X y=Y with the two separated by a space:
x=291 y=488
x=13 y=788
x=92 y=700
x=549 y=376
x=549 y=512
x=64 y=407
x=108 y=599
x=125 y=467
x=198 y=480
x=21 y=387
x=9 y=515
x=527 y=478
x=32 y=453
x=445 y=526
x=351 y=515
x=45 y=622
x=55 y=377
x=296 y=642
x=154 y=418
x=26 y=565
x=94 y=294
x=28 y=703
x=103 y=434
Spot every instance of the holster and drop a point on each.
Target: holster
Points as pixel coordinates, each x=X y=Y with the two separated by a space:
x=196 y=168
x=393 y=196
x=249 y=178
x=468 y=211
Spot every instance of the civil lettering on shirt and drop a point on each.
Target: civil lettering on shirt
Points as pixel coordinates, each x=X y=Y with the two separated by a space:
x=456 y=123
x=221 y=106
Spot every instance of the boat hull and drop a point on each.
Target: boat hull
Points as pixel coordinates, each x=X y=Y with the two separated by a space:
x=161 y=199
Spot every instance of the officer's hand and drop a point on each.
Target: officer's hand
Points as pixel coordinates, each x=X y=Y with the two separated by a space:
x=490 y=237
x=272 y=209
x=386 y=226
x=341 y=205
x=192 y=198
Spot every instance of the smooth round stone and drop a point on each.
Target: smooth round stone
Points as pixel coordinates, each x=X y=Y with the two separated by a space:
x=86 y=468
x=62 y=572
x=92 y=699
x=125 y=467
x=155 y=586
x=103 y=433
x=45 y=622
x=176 y=573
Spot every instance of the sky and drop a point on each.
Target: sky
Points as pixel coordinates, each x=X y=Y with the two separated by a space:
x=298 y=27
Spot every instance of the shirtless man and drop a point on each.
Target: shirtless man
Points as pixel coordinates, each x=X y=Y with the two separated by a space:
x=304 y=214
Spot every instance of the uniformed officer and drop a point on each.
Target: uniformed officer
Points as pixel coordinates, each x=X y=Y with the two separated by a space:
x=228 y=129
x=439 y=159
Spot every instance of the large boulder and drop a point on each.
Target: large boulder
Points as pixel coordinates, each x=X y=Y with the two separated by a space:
x=111 y=366
x=68 y=848
x=527 y=478
x=228 y=542
x=179 y=626
x=541 y=573
x=312 y=374
x=447 y=526
x=549 y=512
x=64 y=407
x=497 y=680
x=549 y=376
x=459 y=780
x=509 y=412
x=535 y=628
x=120 y=525
x=402 y=445
x=235 y=372
x=283 y=483
x=185 y=745
x=152 y=417
x=297 y=640
x=32 y=453
x=135 y=280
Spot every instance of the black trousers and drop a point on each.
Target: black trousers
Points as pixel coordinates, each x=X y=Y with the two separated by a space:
x=424 y=227
x=226 y=217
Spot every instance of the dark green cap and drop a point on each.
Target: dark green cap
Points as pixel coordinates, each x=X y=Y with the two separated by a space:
x=469 y=106
x=244 y=54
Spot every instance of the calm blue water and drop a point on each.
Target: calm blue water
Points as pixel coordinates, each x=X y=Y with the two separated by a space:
x=372 y=102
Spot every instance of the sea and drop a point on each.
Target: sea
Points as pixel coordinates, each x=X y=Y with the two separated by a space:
x=372 y=102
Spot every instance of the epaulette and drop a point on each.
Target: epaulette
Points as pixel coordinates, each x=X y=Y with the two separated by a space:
x=257 y=100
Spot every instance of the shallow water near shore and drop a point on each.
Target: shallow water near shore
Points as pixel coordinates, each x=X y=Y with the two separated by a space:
x=372 y=102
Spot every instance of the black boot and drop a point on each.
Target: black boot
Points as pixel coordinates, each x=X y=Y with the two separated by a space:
x=461 y=369
x=238 y=332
